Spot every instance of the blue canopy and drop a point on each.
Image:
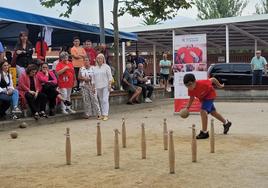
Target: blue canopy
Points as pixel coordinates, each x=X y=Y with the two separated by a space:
x=15 y=21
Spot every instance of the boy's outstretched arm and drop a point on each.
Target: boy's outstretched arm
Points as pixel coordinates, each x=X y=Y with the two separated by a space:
x=190 y=102
x=216 y=82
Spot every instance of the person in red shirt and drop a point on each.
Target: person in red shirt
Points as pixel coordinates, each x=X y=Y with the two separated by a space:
x=205 y=92
x=91 y=53
x=66 y=81
x=41 y=49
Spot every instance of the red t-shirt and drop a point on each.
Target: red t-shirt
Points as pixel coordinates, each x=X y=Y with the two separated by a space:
x=92 y=54
x=41 y=55
x=203 y=90
x=66 y=79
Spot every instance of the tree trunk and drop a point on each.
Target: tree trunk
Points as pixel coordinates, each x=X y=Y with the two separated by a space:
x=116 y=41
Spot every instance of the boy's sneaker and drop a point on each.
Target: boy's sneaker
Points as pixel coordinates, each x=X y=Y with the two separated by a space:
x=226 y=127
x=71 y=111
x=202 y=135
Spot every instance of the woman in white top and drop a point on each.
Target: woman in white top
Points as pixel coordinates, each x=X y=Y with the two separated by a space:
x=8 y=94
x=102 y=79
x=90 y=100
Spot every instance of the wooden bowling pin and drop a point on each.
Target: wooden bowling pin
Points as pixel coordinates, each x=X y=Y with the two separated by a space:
x=171 y=154
x=143 y=142
x=116 y=149
x=194 y=146
x=124 y=139
x=68 y=147
x=212 y=137
x=165 y=135
x=98 y=139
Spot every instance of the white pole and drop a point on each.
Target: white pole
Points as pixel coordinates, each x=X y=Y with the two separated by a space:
x=124 y=56
x=256 y=45
x=173 y=46
x=154 y=55
x=227 y=45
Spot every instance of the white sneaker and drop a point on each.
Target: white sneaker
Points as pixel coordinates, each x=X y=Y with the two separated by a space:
x=148 y=100
x=16 y=110
x=64 y=112
x=168 y=89
x=71 y=111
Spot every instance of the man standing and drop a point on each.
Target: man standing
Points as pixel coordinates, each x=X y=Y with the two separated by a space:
x=91 y=53
x=164 y=71
x=78 y=55
x=258 y=65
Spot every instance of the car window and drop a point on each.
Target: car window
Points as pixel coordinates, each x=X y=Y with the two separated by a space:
x=222 y=68
x=242 y=68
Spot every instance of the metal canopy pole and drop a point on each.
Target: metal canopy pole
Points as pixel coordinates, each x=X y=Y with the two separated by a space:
x=173 y=46
x=101 y=20
x=124 y=56
x=154 y=55
x=227 y=45
x=256 y=45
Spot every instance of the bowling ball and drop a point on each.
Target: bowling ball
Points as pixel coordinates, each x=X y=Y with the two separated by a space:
x=184 y=113
x=13 y=134
x=23 y=125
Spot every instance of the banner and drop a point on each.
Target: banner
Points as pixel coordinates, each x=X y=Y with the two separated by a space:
x=190 y=56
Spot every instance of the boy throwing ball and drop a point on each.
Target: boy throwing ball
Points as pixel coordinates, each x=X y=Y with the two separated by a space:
x=205 y=92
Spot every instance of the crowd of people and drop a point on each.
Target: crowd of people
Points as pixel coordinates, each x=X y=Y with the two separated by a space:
x=81 y=68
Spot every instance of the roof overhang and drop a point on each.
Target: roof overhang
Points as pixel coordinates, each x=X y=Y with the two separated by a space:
x=243 y=31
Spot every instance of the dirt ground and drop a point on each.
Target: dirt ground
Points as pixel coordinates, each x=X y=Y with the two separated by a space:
x=37 y=157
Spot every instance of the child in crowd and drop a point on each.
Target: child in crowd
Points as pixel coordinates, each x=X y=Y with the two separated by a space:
x=66 y=81
x=205 y=92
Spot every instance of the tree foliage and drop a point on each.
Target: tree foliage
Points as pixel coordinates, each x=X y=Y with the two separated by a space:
x=150 y=21
x=262 y=8
x=160 y=9
x=209 y=9
x=69 y=3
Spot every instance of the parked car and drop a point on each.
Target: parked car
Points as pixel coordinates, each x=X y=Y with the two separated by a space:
x=233 y=73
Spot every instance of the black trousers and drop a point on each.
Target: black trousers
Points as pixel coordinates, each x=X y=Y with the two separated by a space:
x=145 y=88
x=76 y=70
x=37 y=104
x=51 y=93
x=4 y=105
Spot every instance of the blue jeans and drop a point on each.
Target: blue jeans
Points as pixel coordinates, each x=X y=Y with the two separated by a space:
x=257 y=77
x=14 y=98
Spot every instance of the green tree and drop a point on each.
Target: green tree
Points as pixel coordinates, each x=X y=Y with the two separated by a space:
x=262 y=8
x=150 y=21
x=160 y=9
x=209 y=9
